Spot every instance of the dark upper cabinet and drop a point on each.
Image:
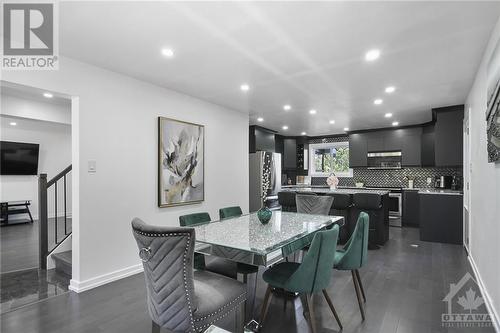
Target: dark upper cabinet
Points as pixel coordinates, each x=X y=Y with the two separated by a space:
x=393 y=139
x=427 y=146
x=289 y=153
x=406 y=140
x=261 y=139
x=411 y=145
x=357 y=150
x=448 y=136
x=374 y=141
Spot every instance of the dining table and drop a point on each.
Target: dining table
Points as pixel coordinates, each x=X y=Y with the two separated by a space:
x=245 y=239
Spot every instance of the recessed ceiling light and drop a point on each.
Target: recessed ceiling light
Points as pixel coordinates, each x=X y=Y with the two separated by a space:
x=390 y=89
x=285 y=127
x=395 y=123
x=287 y=107
x=388 y=115
x=303 y=133
x=260 y=119
x=169 y=53
x=12 y=123
x=372 y=55
x=312 y=111
x=332 y=121
x=48 y=95
x=378 y=101
x=346 y=129
x=245 y=87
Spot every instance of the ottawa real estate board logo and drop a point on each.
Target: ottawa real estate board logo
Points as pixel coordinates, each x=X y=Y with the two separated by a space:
x=465 y=306
x=30 y=36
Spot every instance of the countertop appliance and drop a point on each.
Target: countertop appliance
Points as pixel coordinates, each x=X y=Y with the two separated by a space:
x=384 y=160
x=443 y=182
x=264 y=167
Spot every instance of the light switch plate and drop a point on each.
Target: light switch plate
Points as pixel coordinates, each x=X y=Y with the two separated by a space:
x=92 y=166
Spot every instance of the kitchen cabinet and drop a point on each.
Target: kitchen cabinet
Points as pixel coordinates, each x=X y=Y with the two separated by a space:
x=410 y=208
x=289 y=153
x=427 y=146
x=448 y=136
x=406 y=140
x=411 y=146
x=441 y=217
x=357 y=150
x=261 y=139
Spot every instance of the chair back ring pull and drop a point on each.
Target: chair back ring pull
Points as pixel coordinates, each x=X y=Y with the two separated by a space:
x=145 y=254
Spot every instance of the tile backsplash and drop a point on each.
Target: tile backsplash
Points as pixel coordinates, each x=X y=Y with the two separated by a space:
x=394 y=178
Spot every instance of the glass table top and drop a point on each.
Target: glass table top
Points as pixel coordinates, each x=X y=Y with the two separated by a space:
x=246 y=233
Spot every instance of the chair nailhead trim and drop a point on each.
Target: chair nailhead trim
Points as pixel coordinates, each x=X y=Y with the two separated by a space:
x=220 y=317
x=168 y=234
x=222 y=308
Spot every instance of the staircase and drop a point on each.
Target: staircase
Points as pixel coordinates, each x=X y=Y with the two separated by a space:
x=53 y=232
x=63 y=262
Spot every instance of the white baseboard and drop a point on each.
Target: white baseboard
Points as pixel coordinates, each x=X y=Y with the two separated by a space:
x=495 y=318
x=81 y=286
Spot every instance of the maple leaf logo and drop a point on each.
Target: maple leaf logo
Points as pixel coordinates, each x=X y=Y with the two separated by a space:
x=470 y=301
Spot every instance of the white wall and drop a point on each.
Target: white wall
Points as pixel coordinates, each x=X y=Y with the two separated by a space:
x=115 y=123
x=484 y=188
x=54 y=155
x=31 y=109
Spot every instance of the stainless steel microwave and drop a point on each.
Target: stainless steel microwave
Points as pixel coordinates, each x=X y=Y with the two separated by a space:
x=384 y=160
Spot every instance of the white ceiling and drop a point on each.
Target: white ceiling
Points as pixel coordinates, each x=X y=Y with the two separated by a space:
x=308 y=55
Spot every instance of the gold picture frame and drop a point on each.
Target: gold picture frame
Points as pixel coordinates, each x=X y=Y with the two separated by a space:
x=181 y=162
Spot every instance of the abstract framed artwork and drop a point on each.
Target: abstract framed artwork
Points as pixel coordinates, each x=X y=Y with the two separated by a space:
x=493 y=107
x=181 y=171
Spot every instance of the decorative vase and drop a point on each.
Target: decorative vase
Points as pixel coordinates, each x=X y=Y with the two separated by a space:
x=264 y=214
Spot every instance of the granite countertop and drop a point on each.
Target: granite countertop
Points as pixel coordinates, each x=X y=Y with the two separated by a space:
x=326 y=190
x=438 y=191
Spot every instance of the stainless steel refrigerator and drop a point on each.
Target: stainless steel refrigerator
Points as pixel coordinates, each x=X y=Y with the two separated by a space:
x=265 y=172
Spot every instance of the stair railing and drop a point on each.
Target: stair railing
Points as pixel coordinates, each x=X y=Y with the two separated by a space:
x=43 y=214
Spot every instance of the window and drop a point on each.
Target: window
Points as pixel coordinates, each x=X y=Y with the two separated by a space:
x=327 y=158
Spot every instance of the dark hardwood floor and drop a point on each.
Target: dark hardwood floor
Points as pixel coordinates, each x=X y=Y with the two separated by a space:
x=19 y=244
x=405 y=286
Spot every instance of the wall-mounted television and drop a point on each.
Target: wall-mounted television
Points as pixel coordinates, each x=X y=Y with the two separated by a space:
x=18 y=158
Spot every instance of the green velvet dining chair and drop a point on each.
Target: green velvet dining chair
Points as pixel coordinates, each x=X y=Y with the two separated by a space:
x=228 y=212
x=190 y=220
x=354 y=255
x=311 y=276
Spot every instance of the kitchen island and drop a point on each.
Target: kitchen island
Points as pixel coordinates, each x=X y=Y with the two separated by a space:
x=379 y=218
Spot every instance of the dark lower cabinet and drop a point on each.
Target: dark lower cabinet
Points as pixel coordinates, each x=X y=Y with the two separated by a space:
x=410 y=208
x=441 y=218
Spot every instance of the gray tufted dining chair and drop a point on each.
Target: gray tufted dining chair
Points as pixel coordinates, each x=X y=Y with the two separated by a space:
x=179 y=298
x=314 y=204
